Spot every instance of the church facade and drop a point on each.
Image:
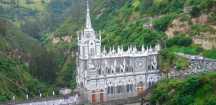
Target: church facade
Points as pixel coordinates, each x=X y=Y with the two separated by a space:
x=114 y=74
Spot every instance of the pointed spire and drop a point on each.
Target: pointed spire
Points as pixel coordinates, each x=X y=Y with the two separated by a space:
x=100 y=35
x=119 y=50
x=150 y=49
x=110 y=50
x=104 y=50
x=143 y=48
x=147 y=49
x=88 y=18
x=113 y=49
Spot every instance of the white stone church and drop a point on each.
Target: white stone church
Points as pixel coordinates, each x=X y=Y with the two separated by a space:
x=114 y=74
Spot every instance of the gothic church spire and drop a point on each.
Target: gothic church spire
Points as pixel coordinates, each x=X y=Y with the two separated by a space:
x=88 y=18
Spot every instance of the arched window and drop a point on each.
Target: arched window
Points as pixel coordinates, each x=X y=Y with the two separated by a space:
x=112 y=90
x=132 y=69
x=118 y=89
x=126 y=69
x=99 y=71
x=109 y=90
x=129 y=87
x=92 y=51
x=108 y=70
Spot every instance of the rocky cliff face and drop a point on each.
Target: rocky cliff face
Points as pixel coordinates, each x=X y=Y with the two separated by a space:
x=177 y=26
x=206 y=40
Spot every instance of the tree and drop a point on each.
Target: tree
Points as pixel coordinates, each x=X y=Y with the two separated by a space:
x=43 y=67
x=195 y=11
x=179 y=41
x=163 y=22
x=145 y=5
x=211 y=101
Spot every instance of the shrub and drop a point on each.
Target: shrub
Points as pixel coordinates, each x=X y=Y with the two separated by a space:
x=211 y=101
x=198 y=28
x=162 y=23
x=179 y=41
x=195 y=12
x=210 y=54
x=181 y=63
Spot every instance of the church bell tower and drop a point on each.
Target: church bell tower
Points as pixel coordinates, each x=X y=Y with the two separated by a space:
x=89 y=41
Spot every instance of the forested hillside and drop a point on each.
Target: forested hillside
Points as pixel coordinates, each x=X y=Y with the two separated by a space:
x=19 y=53
x=27 y=65
x=38 y=37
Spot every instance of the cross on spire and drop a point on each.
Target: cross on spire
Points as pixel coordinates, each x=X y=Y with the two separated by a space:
x=88 y=18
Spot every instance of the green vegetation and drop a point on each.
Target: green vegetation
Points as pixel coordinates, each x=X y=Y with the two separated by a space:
x=26 y=37
x=194 y=90
x=162 y=23
x=198 y=28
x=179 y=40
x=210 y=53
x=20 y=63
x=184 y=45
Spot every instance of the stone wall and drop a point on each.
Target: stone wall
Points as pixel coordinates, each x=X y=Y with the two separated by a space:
x=198 y=64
